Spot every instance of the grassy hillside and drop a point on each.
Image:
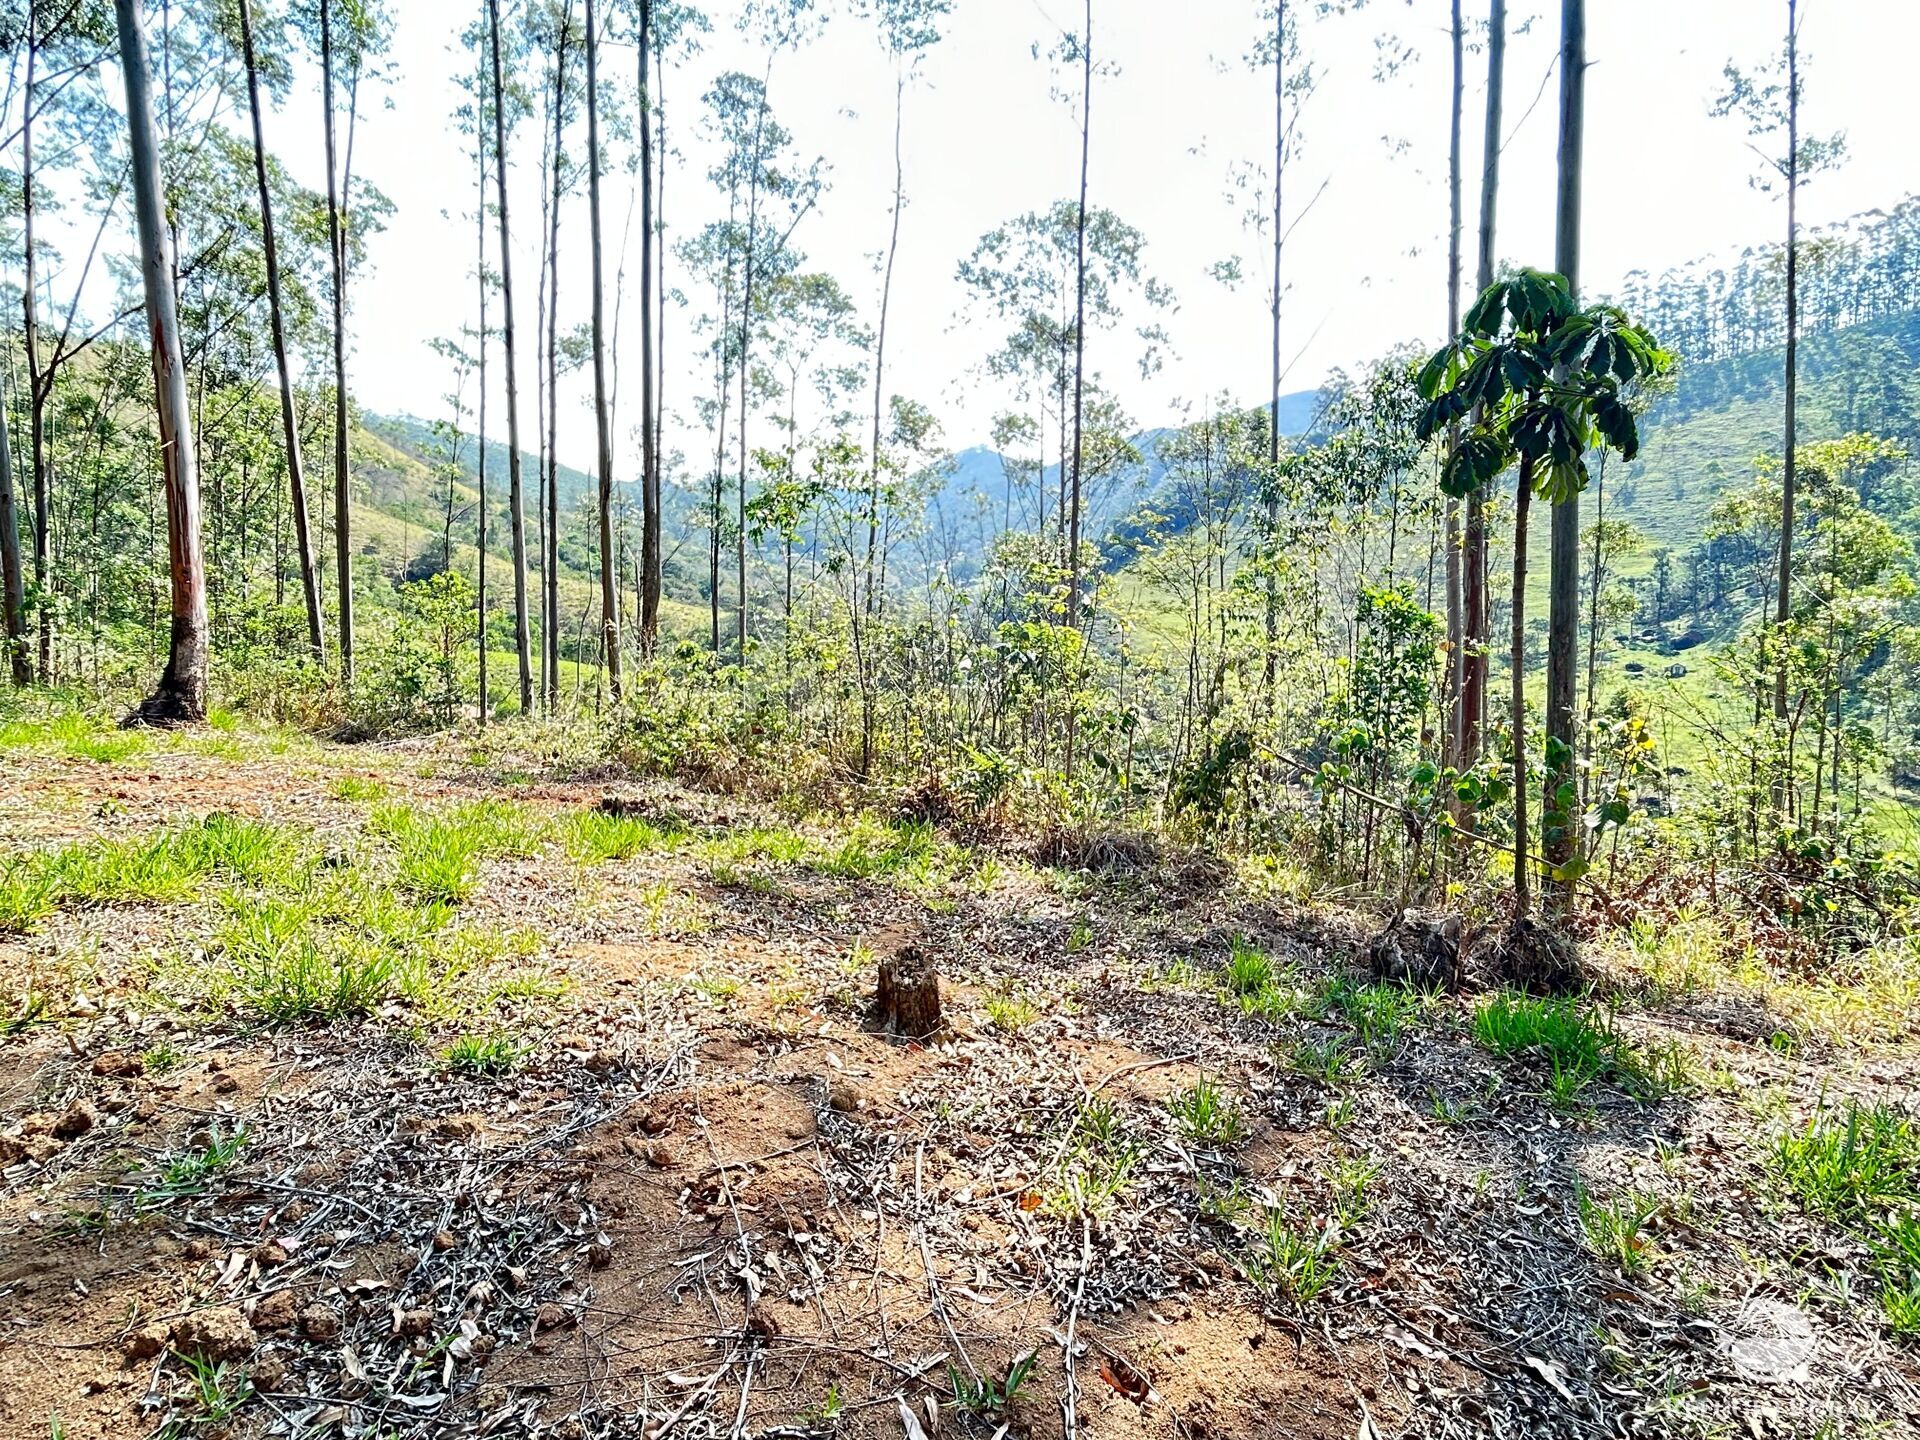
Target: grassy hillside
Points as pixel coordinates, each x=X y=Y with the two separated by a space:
x=1703 y=437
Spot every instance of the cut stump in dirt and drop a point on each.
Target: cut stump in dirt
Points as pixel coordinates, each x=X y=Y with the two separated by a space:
x=1419 y=951
x=1533 y=958
x=907 y=997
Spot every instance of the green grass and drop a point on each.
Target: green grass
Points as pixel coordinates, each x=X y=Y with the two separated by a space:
x=988 y=1396
x=492 y=1054
x=294 y=968
x=1207 y=1114
x=191 y=1173
x=1009 y=1010
x=1617 y=1231
x=28 y=894
x=166 y=867
x=1577 y=1048
x=437 y=854
x=595 y=837
x=1258 y=986
x=1331 y=1061
x=360 y=788
x=346 y=950
x=1351 y=1180
x=1097 y=1164
x=1249 y=969
x=1289 y=1263
x=1382 y=1015
x=743 y=847
x=74 y=737
x=1853 y=1165
x=1896 y=1247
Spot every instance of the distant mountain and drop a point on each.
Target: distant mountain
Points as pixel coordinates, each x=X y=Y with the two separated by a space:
x=976 y=500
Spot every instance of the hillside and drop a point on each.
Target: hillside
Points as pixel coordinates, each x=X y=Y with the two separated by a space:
x=1703 y=437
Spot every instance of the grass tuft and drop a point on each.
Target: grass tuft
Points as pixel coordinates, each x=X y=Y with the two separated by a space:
x=492 y=1054
x=595 y=837
x=1207 y=1114
x=1852 y=1165
x=1285 y=1263
x=1617 y=1231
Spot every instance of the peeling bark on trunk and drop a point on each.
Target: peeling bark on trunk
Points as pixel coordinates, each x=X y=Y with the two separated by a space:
x=181 y=696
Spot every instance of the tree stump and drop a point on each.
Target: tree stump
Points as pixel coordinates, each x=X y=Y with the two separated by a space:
x=1417 y=951
x=907 y=998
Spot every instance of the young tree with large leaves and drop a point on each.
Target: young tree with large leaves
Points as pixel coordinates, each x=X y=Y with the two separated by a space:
x=1534 y=381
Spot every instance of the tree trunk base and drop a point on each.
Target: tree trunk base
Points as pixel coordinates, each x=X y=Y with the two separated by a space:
x=1421 y=952
x=168 y=708
x=1535 y=959
x=907 y=997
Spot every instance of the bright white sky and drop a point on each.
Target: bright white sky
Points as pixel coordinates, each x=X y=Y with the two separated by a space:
x=985 y=141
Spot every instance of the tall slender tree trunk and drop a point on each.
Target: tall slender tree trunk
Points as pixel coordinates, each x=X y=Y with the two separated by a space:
x=1560 y=808
x=1596 y=581
x=649 y=434
x=1269 y=660
x=276 y=311
x=746 y=346
x=13 y=610
x=1456 y=624
x=39 y=382
x=550 y=530
x=1789 y=469
x=1474 y=597
x=342 y=480
x=181 y=696
x=609 y=573
x=660 y=306
x=1517 y=664
x=880 y=338
x=516 y=496
x=1080 y=325
x=480 y=275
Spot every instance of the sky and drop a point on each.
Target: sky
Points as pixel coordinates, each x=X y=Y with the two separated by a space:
x=986 y=138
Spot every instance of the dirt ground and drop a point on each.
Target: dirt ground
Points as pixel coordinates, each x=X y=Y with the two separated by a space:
x=709 y=1197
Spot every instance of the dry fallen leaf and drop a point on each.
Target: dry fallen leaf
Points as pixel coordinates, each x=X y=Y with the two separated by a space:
x=1550 y=1372
x=1125 y=1379
x=910 y=1422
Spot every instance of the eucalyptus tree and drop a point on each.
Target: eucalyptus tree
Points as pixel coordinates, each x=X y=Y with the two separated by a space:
x=1476 y=611
x=1767 y=101
x=476 y=118
x=1563 y=570
x=276 y=310
x=516 y=492
x=908 y=29
x=650 y=526
x=1028 y=277
x=1534 y=380
x=1456 y=623
x=181 y=695
x=62 y=105
x=553 y=32
x=603 y=420
x=1075 y=48
x=13 y=616
x=349 y=36
x=769 y=190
